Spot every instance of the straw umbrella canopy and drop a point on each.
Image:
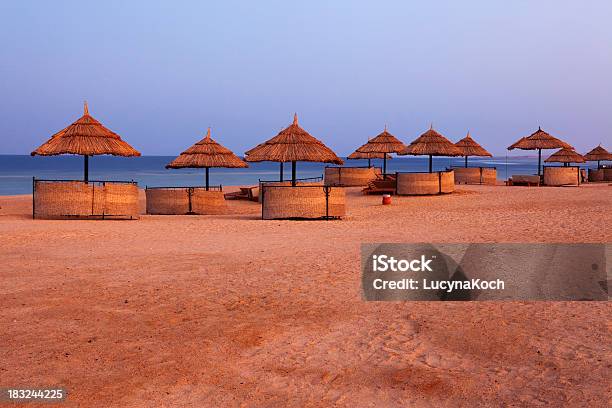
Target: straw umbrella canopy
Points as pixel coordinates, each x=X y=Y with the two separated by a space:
x=539 y=140
x=357 y=155
x=292 y=144
x=206 y=153
x=86 y=137
x=384 y=143
x=598 y=154
x=517 y=143
x=469 y=147
x=431 y=143
x=565 y=156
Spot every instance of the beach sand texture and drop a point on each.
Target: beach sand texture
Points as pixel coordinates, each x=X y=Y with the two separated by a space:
x=206 y=311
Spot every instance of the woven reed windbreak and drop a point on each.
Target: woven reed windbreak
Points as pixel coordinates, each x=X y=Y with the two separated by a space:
x=59 y=199
x=561 y=176
x=208 y=202
x=596 y=175
x=185 y=200
x=351 y=176
x=311 y=181
x=302 y=202
x=475 y=175
x=438 y=182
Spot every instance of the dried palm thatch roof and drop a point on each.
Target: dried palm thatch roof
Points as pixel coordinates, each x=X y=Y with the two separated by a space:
x=253 y=149
x=86 y=137
x=431 y=143
x=598 y=154
x=469 y=147
x=565 y=155
x=517 y=143
x=539 y=140
x=206 y=153
x=293 y=144
x=384 y=142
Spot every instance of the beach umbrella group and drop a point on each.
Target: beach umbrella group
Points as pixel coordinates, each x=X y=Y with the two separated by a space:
x=469 y=147
x=431 y=143
x=205 y=154
x=539 y=140
x=292 y=144
x=86 y=137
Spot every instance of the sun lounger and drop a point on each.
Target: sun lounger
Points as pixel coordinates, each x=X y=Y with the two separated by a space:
x=245 y=193
x=524 y=180
x=380 y=186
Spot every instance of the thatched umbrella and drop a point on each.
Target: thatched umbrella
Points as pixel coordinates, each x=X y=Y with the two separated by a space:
x=206 y=154
x=293 y=144
x=565 y=156
x=431 y=143
x=469 y=147
x=86 y=137
x=539 y=140
x=384 y=143
x=357 y=155
x=282 y=168
x=598 y=154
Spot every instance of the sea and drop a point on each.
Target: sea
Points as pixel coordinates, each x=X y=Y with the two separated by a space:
x=17 y=171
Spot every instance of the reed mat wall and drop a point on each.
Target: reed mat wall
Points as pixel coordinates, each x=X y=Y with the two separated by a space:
x=561 y=176
x=438 y=182
x=185 y=200
x=305 y=202
x=475 y=175
x=351 y=176
x=58 y=199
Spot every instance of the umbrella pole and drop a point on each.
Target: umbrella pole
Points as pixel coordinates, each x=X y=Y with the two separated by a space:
x=385 y=165
x=466 y=162
x=369 y=162
x=281 y=171
x=430 y=163
x=293 y=173
x=86 y=168
x=598 y=164
x=539 y=160
x=207 y=179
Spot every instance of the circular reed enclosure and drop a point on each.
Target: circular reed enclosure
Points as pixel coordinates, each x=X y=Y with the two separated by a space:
x=437 y=182
x=596 y=175
x=475 y=175
x=351 y=176
x=185 y=200
x=80 y=199
x=607 y=174
x=302 y=202
x=561 y=176
x=310 y=181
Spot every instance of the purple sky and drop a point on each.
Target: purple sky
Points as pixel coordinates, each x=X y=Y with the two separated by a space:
x=159 y=73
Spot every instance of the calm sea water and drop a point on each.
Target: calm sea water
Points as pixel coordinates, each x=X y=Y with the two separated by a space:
x=16 y=172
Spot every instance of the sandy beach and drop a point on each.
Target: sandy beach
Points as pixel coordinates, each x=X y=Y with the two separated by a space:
x=199 y=311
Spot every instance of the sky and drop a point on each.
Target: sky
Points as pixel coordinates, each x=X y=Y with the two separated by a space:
x=160 y=72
